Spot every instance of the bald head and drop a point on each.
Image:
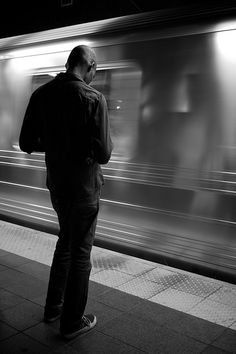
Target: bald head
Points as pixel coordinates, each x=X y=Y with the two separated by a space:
x=82 y=61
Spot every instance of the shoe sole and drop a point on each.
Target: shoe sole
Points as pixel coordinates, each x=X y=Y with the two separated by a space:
x=80 y=331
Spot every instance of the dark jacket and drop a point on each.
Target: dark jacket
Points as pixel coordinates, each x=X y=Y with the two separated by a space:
x=67 y=119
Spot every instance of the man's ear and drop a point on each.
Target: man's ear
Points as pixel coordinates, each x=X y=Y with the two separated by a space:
x=91 y=65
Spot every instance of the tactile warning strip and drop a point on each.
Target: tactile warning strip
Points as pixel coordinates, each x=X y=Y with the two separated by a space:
x=26 y=242
x=199 y=296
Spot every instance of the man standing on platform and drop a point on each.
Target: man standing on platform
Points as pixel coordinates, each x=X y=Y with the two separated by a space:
x=67 y=119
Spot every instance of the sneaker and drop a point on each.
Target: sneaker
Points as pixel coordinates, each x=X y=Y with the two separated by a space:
x=88 y=322
x=52 y=314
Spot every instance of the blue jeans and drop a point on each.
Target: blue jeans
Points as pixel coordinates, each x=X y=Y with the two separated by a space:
x=71 y=266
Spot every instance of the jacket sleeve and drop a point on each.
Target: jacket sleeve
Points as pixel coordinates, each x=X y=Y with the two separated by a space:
x=102 y=144
x=30 y=135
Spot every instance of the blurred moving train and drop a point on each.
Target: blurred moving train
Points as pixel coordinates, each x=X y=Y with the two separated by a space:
x=169 y=194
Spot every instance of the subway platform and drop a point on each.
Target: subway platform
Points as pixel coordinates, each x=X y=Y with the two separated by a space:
x=141 y=306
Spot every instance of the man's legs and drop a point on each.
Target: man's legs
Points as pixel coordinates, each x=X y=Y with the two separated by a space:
x=69 y=276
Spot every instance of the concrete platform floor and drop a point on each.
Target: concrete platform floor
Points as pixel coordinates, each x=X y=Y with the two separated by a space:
x=142 y=307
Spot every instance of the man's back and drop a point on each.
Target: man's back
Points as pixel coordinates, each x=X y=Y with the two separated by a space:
x=71 y=126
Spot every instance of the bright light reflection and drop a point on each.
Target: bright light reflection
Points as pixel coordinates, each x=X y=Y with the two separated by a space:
x=47 y=49
x=226 y=44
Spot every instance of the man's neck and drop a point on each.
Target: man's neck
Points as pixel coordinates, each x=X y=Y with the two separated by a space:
x=76 y=73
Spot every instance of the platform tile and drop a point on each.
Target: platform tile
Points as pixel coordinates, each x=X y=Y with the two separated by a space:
x=119 y=299
x=198 y=286
x=225 y=295
x=149 y=337
x=36 y=269
x=111 y=277
x=164 y=276
x=46 y=335
x=210 y=310
x=100 y=343
x=214 y=350
x=13 y=260
x=133 y=267
x=26 y=286
x=21 y=343
x=23 y=315
x=8 y=299
x=141 y=287
x=191 y=326
x=227 y=341
x=176 y=299
x=107 y=260
x=6 y=331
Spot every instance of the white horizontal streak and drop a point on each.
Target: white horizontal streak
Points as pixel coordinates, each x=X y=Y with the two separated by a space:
x=23 y=185
x=26 y=209
x=29 y=216
x=23 y=165
x=25 y=203
x=19 y=158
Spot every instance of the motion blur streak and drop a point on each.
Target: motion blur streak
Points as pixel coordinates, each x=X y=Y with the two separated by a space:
x=170 y=186
x=225 y=62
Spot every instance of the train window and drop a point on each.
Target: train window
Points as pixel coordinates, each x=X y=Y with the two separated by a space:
x=121 y=88
x=39 y=80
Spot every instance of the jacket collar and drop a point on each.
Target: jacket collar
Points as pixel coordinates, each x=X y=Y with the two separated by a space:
x=69 y=76
x=74 y=76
